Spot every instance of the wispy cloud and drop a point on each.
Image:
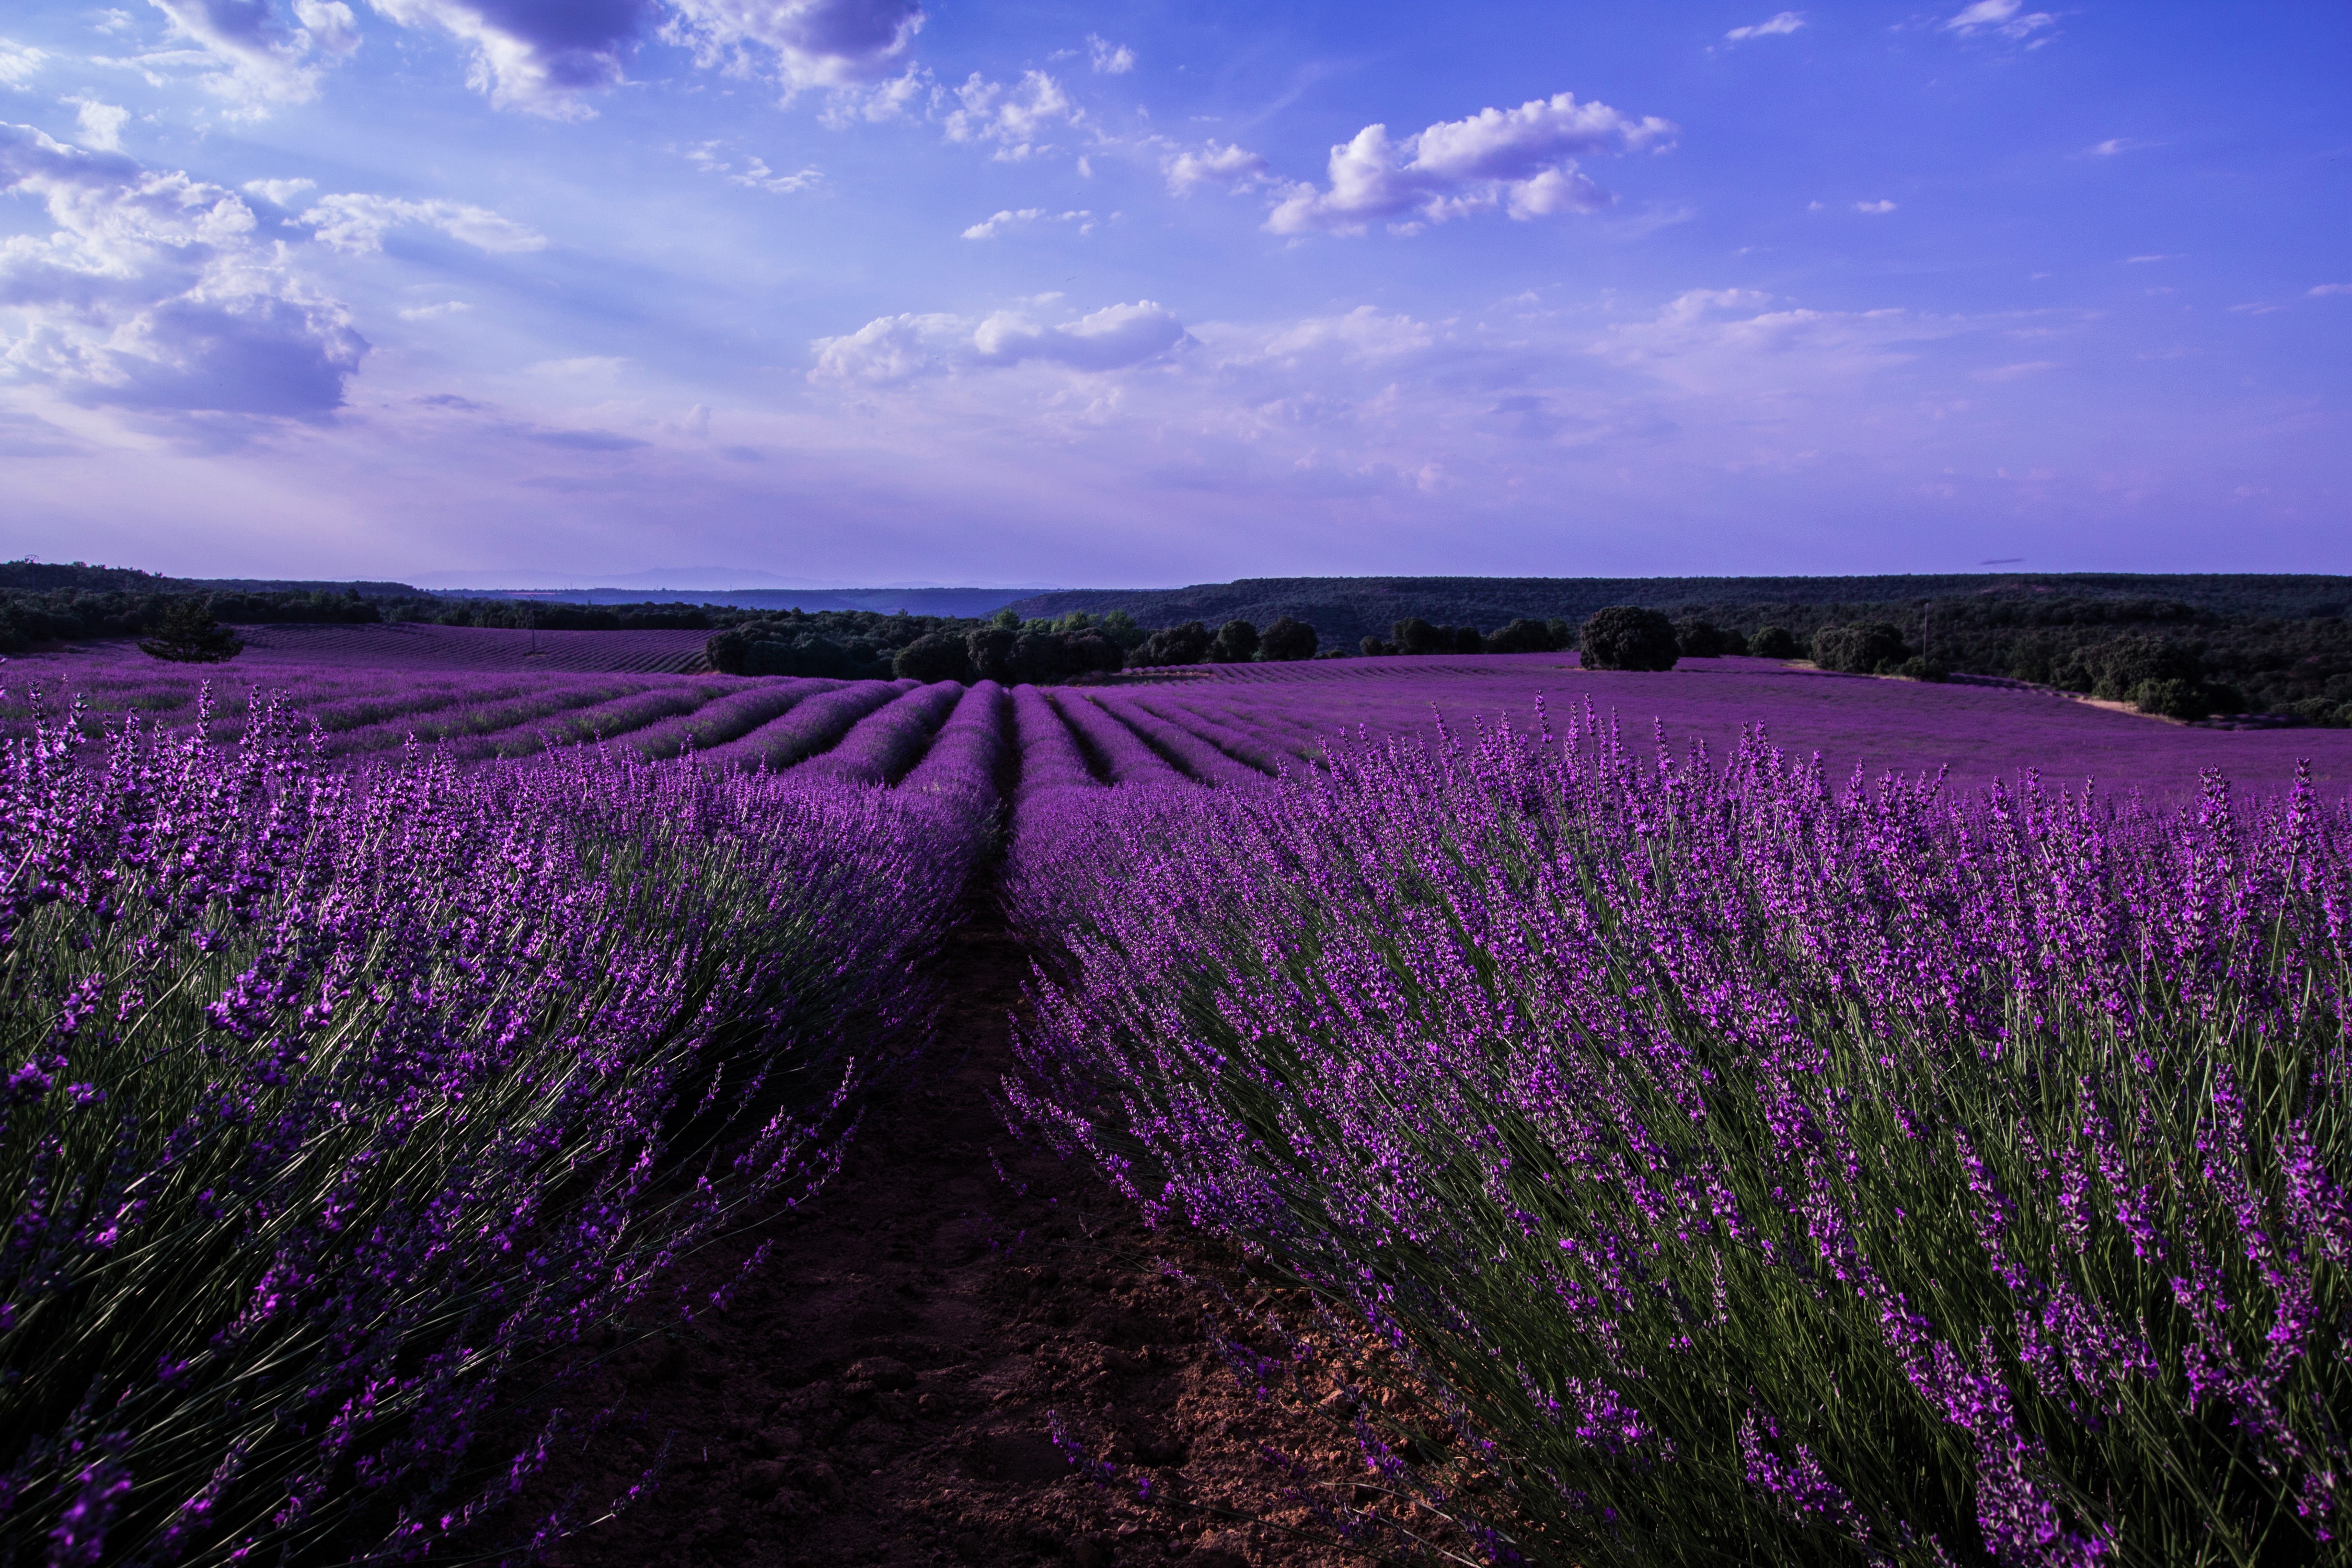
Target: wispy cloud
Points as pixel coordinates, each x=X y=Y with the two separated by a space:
x=2321 y=290
x=1786 y=22
x=891 y=350
x=279 y=192
x=356 y=224
x=754 y=173
x=2002 y=19
x=1234 y=168
x=989 y=229
x=2115 y=145
x=1880 y=206
x=100 y=123
x=18 y=62
x=1107 y=58
x=1016 y=116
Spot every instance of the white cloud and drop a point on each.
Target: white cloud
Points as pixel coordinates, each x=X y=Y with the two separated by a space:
x=2018 y=371
x=537 y=58
x=151 y=293
x=2004 y=19
x=1786 y=22
x=1723 y=341
x=2115 y=146
x=427 y=312
x=1521 y=158
x=598 y=370
x=1881 y=205
x=891 y=350
x=754 y=174
x=356 y=224
x=1109 y=59
x=101 y=123
x=250 y=55
x=812 y=43
x=1014 y=117
x=1361 y=334
x=990 y=227
x=279 y=192
x=110 y=21
x=884 y=100
x=18 y=62
x=2321 y=290
x=2144 y=260
x=1236 y=168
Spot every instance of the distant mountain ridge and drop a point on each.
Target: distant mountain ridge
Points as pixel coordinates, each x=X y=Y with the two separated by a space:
x=1344 y=609
x=959 y=601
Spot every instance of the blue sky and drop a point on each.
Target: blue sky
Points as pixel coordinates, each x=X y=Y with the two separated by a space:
x=869 y=291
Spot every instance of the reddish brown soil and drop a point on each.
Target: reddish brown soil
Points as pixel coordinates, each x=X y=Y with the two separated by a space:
x=879 y=1392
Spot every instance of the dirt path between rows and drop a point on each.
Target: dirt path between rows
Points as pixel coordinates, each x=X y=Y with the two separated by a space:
x=885 y=1390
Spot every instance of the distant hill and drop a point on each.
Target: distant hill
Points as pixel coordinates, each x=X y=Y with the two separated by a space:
x=80 y=576
x=1344 y=609
x=957 y=602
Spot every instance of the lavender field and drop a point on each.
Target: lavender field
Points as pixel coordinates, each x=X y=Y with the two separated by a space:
x=1693 y=1148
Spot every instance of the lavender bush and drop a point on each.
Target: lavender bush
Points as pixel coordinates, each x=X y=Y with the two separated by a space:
x=1122 y=753
x=346 y=1117
x=880 y=747
x=831 y=709
x=726 y=720
x=1744 y=1169
x=1199 y=759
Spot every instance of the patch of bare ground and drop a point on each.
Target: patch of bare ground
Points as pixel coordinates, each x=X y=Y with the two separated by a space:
x=888 y=1386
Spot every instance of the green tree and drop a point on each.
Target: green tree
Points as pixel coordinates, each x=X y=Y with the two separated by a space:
x=187 y=634
x=1236 y=643
x=935 y=656
x=1287 y=640
x=1627 y=637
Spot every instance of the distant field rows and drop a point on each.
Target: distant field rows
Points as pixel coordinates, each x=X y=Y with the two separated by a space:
x=1221 y=726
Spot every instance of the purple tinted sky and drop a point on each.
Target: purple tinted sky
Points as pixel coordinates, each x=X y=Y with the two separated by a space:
x=852 y=291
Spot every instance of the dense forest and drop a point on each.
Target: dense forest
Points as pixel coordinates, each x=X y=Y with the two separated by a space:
x=2252 y=643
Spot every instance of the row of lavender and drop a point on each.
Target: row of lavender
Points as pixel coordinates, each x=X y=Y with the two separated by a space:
x=350 y=1117
x=880 y=727
x=1739 y=1169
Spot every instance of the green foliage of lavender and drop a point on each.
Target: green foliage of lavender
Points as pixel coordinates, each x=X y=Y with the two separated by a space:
x=347 y=1119
x=1744 y=1169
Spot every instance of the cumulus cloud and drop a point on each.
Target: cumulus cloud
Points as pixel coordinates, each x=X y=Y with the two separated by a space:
x=1881 y=205
x=279 y=192
x=544 y=56
x=255 y=56
x=100 y=123
x=356 y=224
x=891 y=350
x=1016 y=117
x=990 y=228
x=18 y=62
x=151 y=293
x=812 y=43
x=1234 y=168
x=1109 y=59
x=1786 y=22
x=536 y=56
x=2002 y=19
x=1523 y=160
